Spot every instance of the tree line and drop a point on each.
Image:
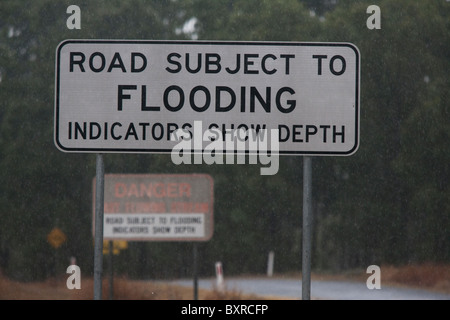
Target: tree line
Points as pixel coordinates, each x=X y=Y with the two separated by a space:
x=389 y=203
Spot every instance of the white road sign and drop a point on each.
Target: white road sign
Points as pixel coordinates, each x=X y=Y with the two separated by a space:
x=131 y=96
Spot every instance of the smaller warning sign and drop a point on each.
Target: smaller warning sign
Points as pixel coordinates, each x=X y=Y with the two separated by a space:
x=56 y=238
x=147 y=207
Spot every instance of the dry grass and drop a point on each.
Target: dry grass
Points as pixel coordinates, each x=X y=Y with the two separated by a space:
x=124 y=289
x=426 y=276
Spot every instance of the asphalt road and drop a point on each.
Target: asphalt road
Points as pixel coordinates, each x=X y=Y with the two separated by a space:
x=327 y=290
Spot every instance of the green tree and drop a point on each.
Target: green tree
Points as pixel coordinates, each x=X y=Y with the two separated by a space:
x=395 y=61
x=42 y=187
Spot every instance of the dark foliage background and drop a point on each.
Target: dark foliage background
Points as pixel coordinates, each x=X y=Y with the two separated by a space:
x=387 y=204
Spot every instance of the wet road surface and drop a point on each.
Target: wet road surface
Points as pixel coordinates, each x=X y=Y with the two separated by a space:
x=320 y=289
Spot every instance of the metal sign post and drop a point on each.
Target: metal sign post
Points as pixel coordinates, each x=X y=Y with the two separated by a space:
x=195 y=271
x=307 y=225
x=111 y=270
x=98 y=236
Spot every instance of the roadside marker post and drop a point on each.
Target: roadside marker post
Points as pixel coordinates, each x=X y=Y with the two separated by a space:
x=219 y=276
x=270 y=260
